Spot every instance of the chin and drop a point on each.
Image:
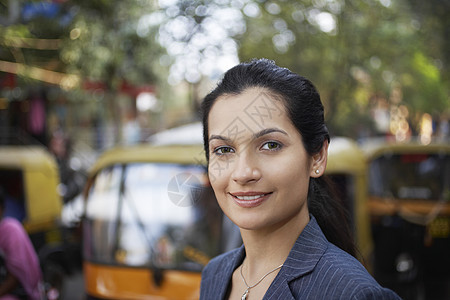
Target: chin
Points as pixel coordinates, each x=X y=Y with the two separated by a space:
x=255 y=222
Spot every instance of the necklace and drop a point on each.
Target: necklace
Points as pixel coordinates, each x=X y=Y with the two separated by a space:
x=247 y=291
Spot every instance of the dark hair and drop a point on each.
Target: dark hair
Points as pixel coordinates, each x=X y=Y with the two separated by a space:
x=305 y=110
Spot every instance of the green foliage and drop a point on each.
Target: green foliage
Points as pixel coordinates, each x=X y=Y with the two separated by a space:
x=354 y=51
x=423 y=87
x=100 y=41
x=104 y=45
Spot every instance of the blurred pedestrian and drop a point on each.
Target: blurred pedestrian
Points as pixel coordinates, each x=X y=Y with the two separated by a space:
x=267 y=144
x=21 y=277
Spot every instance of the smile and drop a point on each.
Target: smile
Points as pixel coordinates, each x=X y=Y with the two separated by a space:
x=251 y=199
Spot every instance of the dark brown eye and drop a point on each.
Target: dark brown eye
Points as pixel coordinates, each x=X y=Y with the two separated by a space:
x=223 y=150
x=271 y=146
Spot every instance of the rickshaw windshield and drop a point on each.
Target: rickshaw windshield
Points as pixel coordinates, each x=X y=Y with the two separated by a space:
x=12 y=184
x=152 y=214
x=410 y=176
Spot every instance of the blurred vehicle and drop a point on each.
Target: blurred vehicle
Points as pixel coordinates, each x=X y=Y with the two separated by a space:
x=29 y=177
x=151 y=224
x=151 y=220
x=347 y=168
x=409 y=193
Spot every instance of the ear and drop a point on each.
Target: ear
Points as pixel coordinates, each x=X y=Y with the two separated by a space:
x=319 y=161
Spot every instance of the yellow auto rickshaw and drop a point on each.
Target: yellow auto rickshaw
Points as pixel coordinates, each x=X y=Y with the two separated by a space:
x=347 y=168
x=151 y=222
x=409 y=205
x=29 y=178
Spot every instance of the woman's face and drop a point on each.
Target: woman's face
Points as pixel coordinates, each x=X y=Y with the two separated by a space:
x=258 y=167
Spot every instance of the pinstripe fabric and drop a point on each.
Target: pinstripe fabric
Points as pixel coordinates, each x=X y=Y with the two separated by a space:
x=314 y=269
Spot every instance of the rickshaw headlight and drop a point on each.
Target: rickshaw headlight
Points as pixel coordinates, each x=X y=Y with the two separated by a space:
x=404 y=263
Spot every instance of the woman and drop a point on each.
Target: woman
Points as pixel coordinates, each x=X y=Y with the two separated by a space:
x=266 y=145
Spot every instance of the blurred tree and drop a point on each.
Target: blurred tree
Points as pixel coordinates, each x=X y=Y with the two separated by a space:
x=433 y=19
x=432 y=67
x=359 y=53
x=30 y=35
x=198 y=36
x=107 y=46
x=356 y=52
x=104 y=42
x=73 y=42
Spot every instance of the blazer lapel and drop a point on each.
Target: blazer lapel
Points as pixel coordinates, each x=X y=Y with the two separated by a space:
x=302 y=259
x=226 y=273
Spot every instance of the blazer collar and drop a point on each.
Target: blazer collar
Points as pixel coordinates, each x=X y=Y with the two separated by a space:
x=235 y=260
x=302 y=259
x=309 y=247
x=306 y=252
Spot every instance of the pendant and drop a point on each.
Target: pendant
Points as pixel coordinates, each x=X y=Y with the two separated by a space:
x=244 y=296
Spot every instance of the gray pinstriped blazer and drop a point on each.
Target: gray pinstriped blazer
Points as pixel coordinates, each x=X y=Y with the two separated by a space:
x=314 y=269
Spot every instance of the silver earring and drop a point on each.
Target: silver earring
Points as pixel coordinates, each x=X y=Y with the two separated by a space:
x=317 y=171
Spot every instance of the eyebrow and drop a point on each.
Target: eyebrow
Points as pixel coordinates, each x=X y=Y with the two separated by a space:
x=255 y=135
x=268 y=131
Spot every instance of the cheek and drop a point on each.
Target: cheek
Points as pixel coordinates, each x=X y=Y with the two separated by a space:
x=218 y=176
x=219 y=186
x=292 y=175
x=291 y=164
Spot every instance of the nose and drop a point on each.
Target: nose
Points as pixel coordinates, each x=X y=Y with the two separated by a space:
x=245 y=170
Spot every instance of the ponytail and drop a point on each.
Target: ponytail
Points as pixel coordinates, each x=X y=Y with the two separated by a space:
x=330 y=214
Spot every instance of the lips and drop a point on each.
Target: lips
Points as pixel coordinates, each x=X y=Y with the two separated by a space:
x=249 y=199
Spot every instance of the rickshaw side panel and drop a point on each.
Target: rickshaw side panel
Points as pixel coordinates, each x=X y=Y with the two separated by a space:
x=346 y=158
x=44 y=206
x=40 y=184
x=113 y=282
x=109 y=280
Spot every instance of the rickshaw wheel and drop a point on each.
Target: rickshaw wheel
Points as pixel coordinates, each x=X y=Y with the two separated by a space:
x=53 y=280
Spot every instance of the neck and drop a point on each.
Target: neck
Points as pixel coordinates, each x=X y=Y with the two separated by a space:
x=268 y=248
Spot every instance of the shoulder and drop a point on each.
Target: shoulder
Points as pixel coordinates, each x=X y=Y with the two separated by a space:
x=340 y=260
x=374 y=293
x=9 y=225
x=12 y=236
x=341 y=276
x=8 y=221
x=317 y=269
